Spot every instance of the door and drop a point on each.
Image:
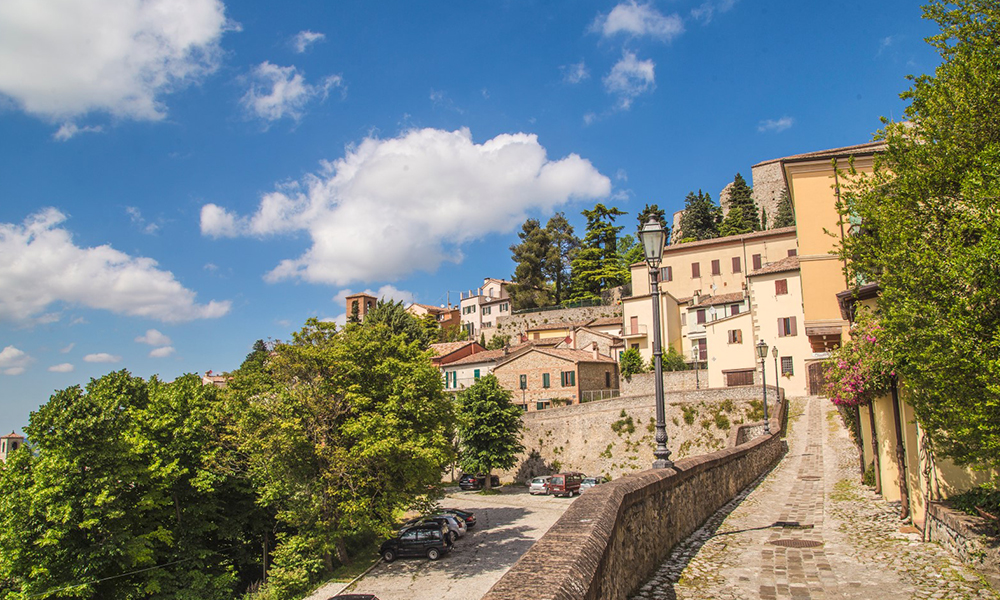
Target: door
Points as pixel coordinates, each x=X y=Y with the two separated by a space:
x=817 y=379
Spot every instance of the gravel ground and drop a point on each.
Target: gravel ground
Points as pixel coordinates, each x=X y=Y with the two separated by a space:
x=809 y=530
x=507 y=525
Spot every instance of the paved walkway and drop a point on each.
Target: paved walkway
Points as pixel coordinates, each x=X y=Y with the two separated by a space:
x=809 y=530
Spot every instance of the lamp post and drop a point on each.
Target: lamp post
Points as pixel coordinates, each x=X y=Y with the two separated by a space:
x=653 y=236
x=762 y=355
x=694 y=357
x=777 y=382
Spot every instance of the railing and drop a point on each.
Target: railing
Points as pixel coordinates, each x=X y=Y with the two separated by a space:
x=577 y=304
x=590 y=396
x=634 y=331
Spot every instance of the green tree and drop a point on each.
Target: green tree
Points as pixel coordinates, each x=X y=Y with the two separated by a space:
x=394 y=316
x=489 y=428
x=652 y=210
x=530 y=288
x=743 y=215
x=701 y=217
x=673 y=360
x=124 y=476
x=927 y=228
x=354 y=428
x=785 y=217
x=597 y=265
x=564 y=248
x=631 y=363
x=497 y=342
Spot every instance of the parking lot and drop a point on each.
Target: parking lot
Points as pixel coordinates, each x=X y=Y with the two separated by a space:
x=507 y=525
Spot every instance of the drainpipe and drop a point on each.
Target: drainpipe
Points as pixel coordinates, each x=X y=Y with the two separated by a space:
x=904 y=494
x=876 y=460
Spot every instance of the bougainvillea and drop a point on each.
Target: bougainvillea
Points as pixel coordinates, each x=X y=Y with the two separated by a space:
x=862 y=368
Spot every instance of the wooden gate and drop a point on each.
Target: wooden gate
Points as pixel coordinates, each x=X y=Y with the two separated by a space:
x=817 y=379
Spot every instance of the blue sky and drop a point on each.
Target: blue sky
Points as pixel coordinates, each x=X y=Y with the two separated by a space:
x=180 y=178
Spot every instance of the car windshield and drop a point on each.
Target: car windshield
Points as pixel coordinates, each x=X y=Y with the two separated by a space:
x=590 y=480
x=556 y=481
x=538 y=480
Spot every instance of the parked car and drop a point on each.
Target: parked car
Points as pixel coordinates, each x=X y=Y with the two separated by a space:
x=537 y=485
x=428 y=539
x=589 y=482
x=477 y=482
x=455 y=530
x=564 y=484
x=354 y=597
x=469 y=517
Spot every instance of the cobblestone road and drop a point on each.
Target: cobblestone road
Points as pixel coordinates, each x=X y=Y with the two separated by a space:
x=809 y=530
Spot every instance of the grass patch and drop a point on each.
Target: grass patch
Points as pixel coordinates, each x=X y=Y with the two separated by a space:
x=844 y=491
x=492 y=492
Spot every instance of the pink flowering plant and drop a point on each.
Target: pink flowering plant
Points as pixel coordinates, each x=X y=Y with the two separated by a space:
x=861 y=369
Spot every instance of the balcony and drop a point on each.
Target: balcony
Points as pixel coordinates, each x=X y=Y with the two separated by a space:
x=634 y=331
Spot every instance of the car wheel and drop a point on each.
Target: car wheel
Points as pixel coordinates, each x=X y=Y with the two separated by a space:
x=454 y=536
x=388 y=556
x=433 y=554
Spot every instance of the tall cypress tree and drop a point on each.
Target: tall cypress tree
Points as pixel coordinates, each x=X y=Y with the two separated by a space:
x=560 y=259
x=701 y=217
x=743 y=215
x=597 y=266
x=785 y=216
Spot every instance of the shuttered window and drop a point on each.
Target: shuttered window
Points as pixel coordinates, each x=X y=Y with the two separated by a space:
x=786 y=327
x=756 y=262
x=695 y=269
x=780 y=287
x=737 y=267
x=716 y=267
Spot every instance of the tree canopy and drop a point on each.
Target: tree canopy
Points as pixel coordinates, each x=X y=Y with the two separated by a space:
x=533 y=257
x=489 y=428
x=927 y=229
x=743 y=215
x=785 y=217
x=701 y=217
x=597 y=265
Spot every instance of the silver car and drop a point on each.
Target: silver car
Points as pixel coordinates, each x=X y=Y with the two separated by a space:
x=537 y=485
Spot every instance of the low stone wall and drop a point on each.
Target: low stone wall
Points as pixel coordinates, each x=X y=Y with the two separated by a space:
x=641 y=384
x=515 y=325
x=614 y=537
x=971 y=538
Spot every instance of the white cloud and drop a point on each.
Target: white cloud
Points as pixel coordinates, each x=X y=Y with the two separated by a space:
x=279 y=92
x=135 y=215
x=61 y=59
x=707 y=10
x=304 y=39
x=629 y=78
x=14 y=361
x=632 y=18
x=68 y=130
x=775 y=125
x=102 y=357
x=62 y=368
x=67 y=348
x=589 y=118
x=154 y=338
x=161 y=352
x=390 y=207
x=575 y=73
x=621 y=175
x=41 y=266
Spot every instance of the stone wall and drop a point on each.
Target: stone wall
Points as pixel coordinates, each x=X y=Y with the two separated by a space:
x=971 y=538
x=613 y=537
x=614 y=437
x=642 y=384
x=515 y=325
x=768 y=183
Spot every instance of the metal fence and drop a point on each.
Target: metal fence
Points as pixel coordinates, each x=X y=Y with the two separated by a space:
x=590 y=396
x=577 y=304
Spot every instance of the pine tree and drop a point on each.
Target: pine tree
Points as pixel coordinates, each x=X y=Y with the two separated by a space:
x=563 y=250
x=597 y=266
x=701 y=217
x=533 y=255
x=743 y=215
x=652 y=210
x=785 y=216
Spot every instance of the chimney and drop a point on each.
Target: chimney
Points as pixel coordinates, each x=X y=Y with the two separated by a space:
x=695 y=297
x=597 y=354
x=506 y=349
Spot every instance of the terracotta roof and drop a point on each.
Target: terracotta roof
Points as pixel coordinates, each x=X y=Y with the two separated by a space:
x=723 y=240
x=786 y=264
x=601 y=321
x=562 y=325
x=431 y=308
x=446 y=348
x=10 y=435
x=720 y=299
x=478 y=357
x=845 y=151
x=574 y=356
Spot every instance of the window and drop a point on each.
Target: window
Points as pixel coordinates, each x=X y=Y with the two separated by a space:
x=756 y=262
x=695 y=270
x=487 y=310
x=786 y=366
x=701 y=316
x=545 y=380
x=786 y=327
x=567 y=378
x=684 y=319
x=504 y=307
x=487 y=324
x=737 y=267
x=410 y=535
x=734 y=309
x=735 y=336
x=524 y=382
x=542 y=405
x=635 y=346
x=793 y=252
x=702 y=346
x=716 y=267
x=780 y=287
x=667 y=274
x=475 y=374
x=607 y=379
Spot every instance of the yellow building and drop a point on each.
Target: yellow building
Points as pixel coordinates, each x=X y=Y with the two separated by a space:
x=776 y=299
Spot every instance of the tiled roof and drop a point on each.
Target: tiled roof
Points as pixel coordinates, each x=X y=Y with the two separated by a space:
x=562 y=325
x=723 y=240
x=866 y=148
x=446 y=348
x=602 y=321
x=720 y=299
x=430 y=308
x=478 y=357
x=577 y=356
x=786 y=264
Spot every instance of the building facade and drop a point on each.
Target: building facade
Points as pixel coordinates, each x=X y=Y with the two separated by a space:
x=481 y=307
x=544 y=377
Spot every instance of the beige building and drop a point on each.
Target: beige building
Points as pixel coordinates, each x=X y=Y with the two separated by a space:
x=462 y=373
x=481 y=307
x=776 y=295
x=445 y=316
x=732 y=361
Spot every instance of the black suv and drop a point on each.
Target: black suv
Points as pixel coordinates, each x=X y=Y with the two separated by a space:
x=430 y=540
x=476 y=482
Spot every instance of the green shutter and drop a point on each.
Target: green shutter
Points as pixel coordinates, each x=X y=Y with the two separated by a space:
x=476 y=374
x=545 y=380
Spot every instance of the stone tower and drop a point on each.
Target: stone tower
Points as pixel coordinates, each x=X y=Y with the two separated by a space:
x=9 y=443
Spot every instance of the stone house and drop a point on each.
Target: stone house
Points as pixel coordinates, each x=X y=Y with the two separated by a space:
x=543 y=377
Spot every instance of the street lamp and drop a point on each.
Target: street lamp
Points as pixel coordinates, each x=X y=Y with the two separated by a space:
x=762 y=354
x=653 y=236
x=694 y=357
x=777 y=383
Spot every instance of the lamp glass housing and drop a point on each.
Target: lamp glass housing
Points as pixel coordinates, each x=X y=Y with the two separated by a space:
x=762 y=349
x=653 y=237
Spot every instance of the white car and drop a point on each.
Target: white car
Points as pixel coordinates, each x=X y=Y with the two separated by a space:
x=538 y=485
